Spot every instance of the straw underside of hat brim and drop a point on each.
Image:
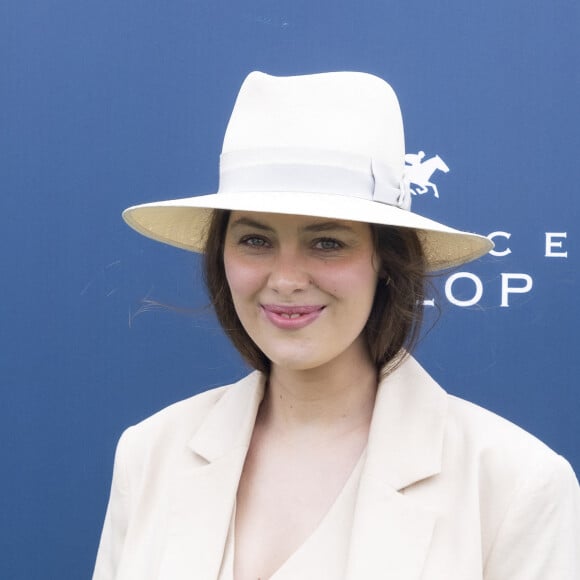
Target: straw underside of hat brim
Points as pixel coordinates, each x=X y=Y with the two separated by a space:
x=183 y=222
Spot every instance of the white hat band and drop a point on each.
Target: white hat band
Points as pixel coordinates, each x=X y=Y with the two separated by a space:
x=329 y=172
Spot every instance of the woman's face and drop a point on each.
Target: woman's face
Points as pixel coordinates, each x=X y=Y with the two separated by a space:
x=302 y=287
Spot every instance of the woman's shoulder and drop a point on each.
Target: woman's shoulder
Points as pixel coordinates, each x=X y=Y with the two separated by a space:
x=184 y=417
x=485 y=431
x=503 y=453
x=473 y=435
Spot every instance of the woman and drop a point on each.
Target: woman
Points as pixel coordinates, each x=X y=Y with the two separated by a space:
x=339 y=457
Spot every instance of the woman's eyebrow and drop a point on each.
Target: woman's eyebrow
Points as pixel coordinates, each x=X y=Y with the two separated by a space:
x=326 y=226
x=322 y=226
x=245 y=221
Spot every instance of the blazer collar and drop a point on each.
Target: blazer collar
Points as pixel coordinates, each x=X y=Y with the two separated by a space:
x=204 y=493
x=391 y=532
x=405 y=439
x=230 y=423
x=406 y=435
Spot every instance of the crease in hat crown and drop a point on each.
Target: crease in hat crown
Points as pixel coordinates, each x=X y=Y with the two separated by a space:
x=327 y=145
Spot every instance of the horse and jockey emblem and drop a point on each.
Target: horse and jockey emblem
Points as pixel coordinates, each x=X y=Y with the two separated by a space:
x=418 y=173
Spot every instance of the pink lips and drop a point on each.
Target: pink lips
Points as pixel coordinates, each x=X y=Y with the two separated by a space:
x=291 y=317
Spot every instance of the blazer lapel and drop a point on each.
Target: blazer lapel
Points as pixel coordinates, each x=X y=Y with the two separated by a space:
x=391 y=532
x=206 y=490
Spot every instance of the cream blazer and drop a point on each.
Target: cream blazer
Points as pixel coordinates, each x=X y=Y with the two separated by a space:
x=448 y=491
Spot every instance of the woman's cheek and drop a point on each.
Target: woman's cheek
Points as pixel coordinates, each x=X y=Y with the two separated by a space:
x=242 y=279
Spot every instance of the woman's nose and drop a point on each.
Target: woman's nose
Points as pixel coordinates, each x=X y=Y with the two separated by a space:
x=289 y=273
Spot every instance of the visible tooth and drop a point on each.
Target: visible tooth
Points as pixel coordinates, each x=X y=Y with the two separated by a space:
x=290 y=315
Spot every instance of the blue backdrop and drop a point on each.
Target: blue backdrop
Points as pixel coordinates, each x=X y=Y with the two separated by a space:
x=109 y=103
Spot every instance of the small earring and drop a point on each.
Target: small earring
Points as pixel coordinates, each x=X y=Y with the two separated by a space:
x=388 y=281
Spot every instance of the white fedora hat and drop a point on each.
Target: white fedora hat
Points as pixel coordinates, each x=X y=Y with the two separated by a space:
x=326 y=145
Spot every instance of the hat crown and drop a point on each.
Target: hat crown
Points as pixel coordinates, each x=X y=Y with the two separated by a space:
x=350 y=112
x=336 y=133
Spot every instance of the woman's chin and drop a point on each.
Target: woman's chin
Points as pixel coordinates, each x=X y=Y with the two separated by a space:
x=310 y=356
x=296 y=361
x=294 y=364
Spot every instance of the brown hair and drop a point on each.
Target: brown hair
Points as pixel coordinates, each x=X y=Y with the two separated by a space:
x=397 y=312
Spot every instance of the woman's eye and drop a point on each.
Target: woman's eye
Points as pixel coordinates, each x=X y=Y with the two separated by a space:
x=253 y=242
x=327 y=244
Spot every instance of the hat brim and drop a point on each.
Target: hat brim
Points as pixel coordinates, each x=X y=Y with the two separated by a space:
x=183 y=222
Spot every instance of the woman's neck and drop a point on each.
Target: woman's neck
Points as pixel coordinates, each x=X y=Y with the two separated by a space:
x=335 y=398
